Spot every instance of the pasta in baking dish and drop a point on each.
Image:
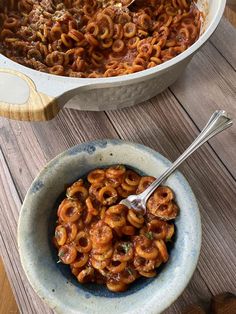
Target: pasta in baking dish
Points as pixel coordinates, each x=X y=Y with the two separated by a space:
x=105 y=242
x=81 y=38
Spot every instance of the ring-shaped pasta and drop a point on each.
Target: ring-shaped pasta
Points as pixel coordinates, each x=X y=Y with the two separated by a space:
x=95 y=188
x=128 y=230
x=123 y=251
x=57 y=70
x=130 y=30
x=105 y=255
x=69 y=211
x=118 y=31
x=118 y=45
x=99 y=248
x=142 y=264
x=106 y=43
x=115 y=286
x=114 y=220
x=116 y=266
x=149 y=253
x=136 y=217
x=67 y=254
x=101 y=233
x=160 y=244
x=128 y=276
x=77 y=191
x=82 y=242
x=98 y=57
x=99 y=264
x=145 y=21
x=66 y=40
x=159 y=229
x=133 y=42
x=130 y=188
x=104 y=32
x=149 y=274
x=144 y=183
x=91 y=39
x=163 y=195
x=132 y=178
x=107 y=195
x=60 y=235
x=80 y=261
x=10 y=22
x=75 y=35
x=71 y=231
x=115 y=171
x=86 y=275
x=55 y=58
x=91 y=209
x=151 y=64
x=92 y=28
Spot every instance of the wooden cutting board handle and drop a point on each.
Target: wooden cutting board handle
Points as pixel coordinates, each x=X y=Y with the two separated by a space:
x=19 y=99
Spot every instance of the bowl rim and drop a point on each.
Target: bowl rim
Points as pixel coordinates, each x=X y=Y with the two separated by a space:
x=43 y=293
x=121 y=80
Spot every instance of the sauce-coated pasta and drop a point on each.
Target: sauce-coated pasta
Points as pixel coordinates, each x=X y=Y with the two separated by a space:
x=80 y=38
x=107 y=243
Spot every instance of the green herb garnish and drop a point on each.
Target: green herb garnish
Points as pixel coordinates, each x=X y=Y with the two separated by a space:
x=126 y=246
x=130 y=271
x=57 y=234
x=149 y=235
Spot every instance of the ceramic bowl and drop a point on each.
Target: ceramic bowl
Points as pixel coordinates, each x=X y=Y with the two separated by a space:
x=54 y=283
x=95 y=93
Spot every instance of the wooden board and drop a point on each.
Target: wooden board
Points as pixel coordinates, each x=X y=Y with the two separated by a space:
x=167 y=123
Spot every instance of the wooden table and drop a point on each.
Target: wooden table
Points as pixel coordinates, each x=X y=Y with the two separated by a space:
x=167 y=123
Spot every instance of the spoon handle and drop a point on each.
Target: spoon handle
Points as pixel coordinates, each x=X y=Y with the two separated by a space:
x=218 y=122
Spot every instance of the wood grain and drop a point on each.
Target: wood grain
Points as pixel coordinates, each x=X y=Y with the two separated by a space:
x=209 y=84
x=38 y=107
x=168 y=124
x=7 y=300
x=26 y=298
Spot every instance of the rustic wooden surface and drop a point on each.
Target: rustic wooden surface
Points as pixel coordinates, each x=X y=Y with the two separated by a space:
x=174 y=120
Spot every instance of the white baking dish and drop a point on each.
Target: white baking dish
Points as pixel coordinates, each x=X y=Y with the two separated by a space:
x=27 y=94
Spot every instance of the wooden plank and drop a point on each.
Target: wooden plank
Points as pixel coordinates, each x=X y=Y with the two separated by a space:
x=7 y=300
x=166 y=127
x=10 y=203
x=230 y=14
x=28 y=146
x=27 y=151
x=224 y=39
x=209 y=83
x=63 y=131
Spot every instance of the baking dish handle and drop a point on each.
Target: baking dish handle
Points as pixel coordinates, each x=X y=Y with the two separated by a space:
x=19 y=99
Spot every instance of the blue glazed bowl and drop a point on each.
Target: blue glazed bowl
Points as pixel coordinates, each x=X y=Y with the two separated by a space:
x=54 y=283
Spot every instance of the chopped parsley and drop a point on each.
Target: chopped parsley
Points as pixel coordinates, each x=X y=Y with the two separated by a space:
x=149 y=235
x=61 y=253
x=130 y=271
x=126 y=246
x=57 y=234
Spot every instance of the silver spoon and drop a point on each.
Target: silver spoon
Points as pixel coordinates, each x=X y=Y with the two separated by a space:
x=218 y=122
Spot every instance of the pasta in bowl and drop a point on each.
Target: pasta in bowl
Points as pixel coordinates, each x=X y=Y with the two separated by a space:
x=104 y=241
x=98 y=78
x=54 y=281
x=84 y=39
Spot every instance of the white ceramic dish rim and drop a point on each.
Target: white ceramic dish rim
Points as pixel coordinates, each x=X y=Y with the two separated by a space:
x=151 y=308
x=119 y=80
